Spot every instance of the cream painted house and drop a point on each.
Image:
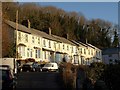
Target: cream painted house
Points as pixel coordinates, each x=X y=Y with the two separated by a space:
x=41 y=46
x=87 y=53
x=66 y=49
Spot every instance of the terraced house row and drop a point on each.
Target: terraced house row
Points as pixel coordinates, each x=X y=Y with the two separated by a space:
x=41 y=46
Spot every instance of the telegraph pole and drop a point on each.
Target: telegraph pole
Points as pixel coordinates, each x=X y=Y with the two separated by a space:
x=16 y=33
x=16 y=56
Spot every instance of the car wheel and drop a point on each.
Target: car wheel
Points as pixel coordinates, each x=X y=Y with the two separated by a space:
x=33 y=69
x=40 y=70
x=57 y=70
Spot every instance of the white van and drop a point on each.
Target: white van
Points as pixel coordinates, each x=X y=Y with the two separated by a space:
x=50 y=67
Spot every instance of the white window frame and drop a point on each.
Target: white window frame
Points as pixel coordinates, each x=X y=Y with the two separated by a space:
x=38 y=40
x=49 y=44
x=26 y=38
x=19 y=36
x=44 y=43
x=21 y=50
x=33 y=39
x=37 y=53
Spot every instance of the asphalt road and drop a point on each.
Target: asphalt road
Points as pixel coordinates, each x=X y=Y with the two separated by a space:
x=39 y=81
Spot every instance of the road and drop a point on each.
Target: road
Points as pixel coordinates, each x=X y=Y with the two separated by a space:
x=39 y=80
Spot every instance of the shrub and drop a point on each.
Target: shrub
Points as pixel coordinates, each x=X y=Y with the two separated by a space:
x=96 y=70
x=112 y=76
x=68 y=73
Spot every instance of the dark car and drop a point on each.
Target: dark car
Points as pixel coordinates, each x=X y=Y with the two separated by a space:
x=30 y=66
x=7 y=79
x=39 y=67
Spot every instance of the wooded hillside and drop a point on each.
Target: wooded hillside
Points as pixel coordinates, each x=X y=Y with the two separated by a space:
x=96 y=31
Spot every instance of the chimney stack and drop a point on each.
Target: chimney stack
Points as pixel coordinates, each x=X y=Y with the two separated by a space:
x=67 y=36
x=28 y=23
x=49 y=31
x=86 y=41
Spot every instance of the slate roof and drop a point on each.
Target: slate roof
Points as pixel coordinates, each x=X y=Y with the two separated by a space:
x=20 y=27
x=87 y=44
x=31 y=31
x=107 y=51
x=39 y=33
x=64 y=40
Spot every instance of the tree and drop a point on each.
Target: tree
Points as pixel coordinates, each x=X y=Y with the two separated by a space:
x=116 y=40
x=96 y=31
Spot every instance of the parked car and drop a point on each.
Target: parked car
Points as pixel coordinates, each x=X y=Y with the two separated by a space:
x=38 y=68
x=50 y=67
x=30 y=66
x=7 y=78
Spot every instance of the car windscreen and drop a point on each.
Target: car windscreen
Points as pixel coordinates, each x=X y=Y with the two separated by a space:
x=48 y=65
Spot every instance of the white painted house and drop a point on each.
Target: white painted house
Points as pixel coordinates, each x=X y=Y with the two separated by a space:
x=32 y=43
x=88 y=53
x=111 y=55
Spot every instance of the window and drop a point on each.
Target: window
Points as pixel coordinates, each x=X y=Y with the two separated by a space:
x=76 y=50
x=21 y=50
x=38 y=40
x=49 y=44
x=72 y=50
x=54 y=45
x=26 y=37
x=99 y=53
x=28 y=52
x=67 y=47
x=84 y=51
x=19 y=36
x=33 y=40
x=89 y=52
x=45 y=55
x=31 y=52
x=59 y=45
x=44 y=43
x=37 y=53
x=81 y=50
x=63 y=46
x=96 y=53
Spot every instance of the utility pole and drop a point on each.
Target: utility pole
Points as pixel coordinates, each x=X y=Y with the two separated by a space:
x=15 y=43
x=16 y=33
x=16 y=56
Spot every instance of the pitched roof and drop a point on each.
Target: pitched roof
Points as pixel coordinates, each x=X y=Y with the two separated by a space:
x=20 y=27
x=64 y=40
x=31 y=30
x=44 y=35
x=107 y=51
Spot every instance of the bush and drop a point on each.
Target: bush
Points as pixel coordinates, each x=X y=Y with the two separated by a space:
x=68 y=73
x=106 y=77
x=112 y=76
x=96 y=70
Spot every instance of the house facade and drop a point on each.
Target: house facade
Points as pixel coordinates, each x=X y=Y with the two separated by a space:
x=111 y=55
x=41 y=46
x=88 y=53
